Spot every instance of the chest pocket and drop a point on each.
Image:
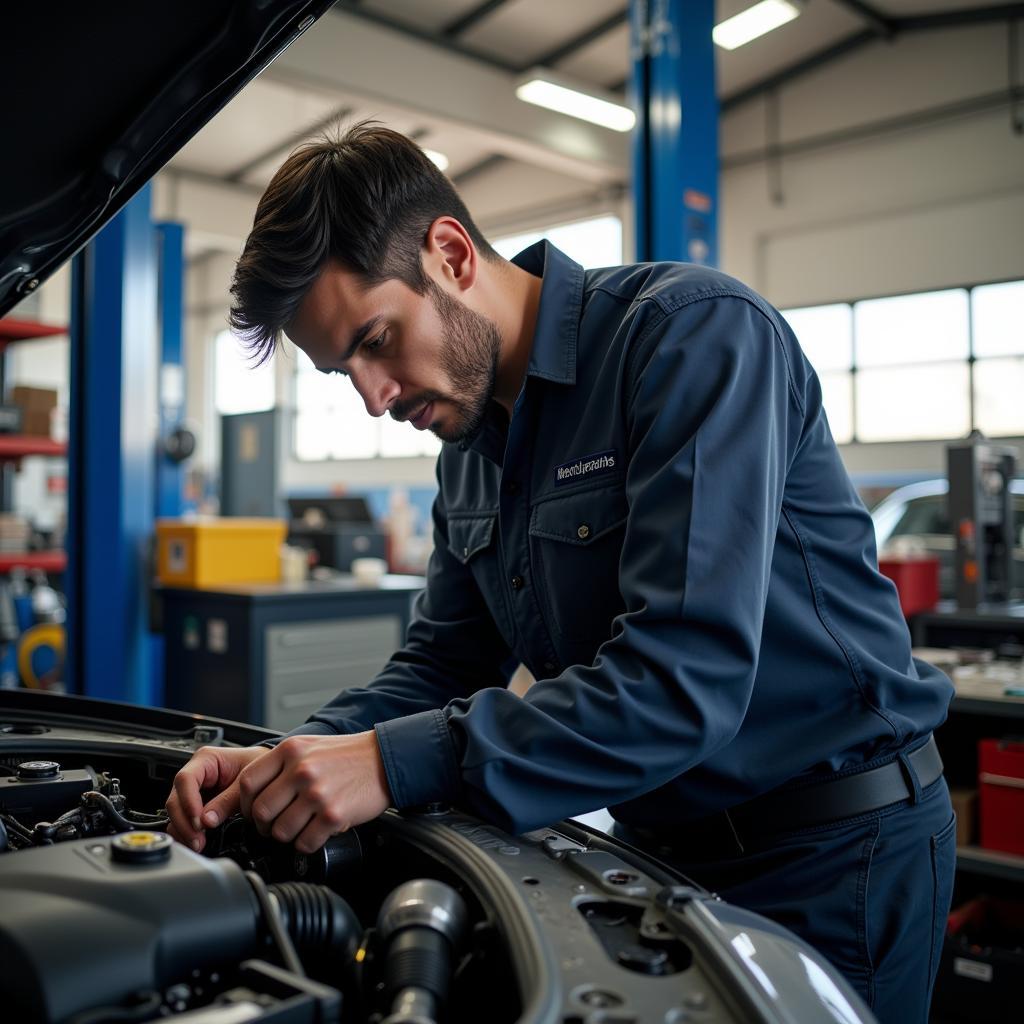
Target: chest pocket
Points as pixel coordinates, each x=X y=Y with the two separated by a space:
x=576 y=543
x=472 y=541
x=469 y=535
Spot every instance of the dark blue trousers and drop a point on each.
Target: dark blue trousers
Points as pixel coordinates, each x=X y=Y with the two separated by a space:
x=871 y=893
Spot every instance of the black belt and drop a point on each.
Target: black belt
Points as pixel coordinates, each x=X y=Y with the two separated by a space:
x=799 y=807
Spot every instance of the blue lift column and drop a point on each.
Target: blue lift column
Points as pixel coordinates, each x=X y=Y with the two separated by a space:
x=112 y=438
x=170 y=476
x=675 y=142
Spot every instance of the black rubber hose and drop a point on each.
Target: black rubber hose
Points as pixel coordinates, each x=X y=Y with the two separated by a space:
x=18 y=829
x=272 y=919
x=323 y=926
x=114 y=816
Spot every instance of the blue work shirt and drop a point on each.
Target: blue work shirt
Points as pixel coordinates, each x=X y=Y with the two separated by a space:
x=664 y=534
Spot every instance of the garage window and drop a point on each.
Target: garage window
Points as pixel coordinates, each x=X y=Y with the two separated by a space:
x=238 y=386
x=997 y=317
x=826 y=336
x=331 y=422
x=928 y=366
x=594 y=242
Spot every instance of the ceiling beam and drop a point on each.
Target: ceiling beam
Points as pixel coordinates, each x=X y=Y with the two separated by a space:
x=788 y=74
x=466 y=21
x=442 y=42
x=880 y=24
x=358 y=58
x=592 y=34
x=889 y=29
x=958 y=18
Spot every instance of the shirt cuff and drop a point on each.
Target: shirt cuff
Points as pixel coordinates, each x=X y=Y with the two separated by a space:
x=419 y=759
x=306 y=729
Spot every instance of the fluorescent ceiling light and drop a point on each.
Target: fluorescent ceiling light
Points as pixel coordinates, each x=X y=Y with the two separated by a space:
x=436 y=158
x=753 y=22
x=542 y=89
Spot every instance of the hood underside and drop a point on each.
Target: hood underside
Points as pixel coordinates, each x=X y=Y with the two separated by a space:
x=101 y=96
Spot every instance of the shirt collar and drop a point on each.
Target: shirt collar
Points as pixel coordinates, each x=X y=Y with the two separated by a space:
x=553 y=355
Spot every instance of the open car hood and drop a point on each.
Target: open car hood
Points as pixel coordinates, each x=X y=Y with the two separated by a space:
x=101 y=96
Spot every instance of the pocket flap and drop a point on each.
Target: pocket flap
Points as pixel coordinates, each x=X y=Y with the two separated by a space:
x=468 y=535
x=580 y=518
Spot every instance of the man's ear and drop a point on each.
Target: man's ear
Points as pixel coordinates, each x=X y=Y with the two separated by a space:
x=449 y=256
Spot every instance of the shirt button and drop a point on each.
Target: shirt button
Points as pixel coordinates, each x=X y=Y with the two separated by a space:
x=583 y=532
x=517 y=582
x=549 y=666
x=512 y=488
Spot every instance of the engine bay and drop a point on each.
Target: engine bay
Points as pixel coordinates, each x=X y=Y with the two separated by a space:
x=429 y=918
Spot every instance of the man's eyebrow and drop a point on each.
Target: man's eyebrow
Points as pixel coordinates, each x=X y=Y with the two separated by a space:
x=357 y=339
x=360 y=336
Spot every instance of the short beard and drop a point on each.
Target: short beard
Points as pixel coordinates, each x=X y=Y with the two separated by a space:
x=472 y=344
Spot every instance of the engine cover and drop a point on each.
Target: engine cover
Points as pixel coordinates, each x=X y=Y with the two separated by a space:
x=87 y=924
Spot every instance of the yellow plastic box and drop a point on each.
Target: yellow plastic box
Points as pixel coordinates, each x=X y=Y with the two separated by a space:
x=211 y=551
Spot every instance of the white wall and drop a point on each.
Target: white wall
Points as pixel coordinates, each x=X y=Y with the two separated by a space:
x=902 y=210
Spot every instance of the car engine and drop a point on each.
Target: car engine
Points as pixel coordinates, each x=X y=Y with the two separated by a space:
x=430 y=918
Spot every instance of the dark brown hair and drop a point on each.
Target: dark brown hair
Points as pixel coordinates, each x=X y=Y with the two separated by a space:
x=366 y=199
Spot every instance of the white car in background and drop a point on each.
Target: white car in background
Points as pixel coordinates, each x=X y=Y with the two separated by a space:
x=917 y=516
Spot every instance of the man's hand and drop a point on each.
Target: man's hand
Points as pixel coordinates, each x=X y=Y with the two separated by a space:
x=310 y=787
x=210 y=768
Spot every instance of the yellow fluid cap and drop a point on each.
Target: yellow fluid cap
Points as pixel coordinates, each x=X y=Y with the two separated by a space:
x=141 y=847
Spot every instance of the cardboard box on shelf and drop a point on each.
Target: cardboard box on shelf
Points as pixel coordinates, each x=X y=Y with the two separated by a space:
x=36 y=405
x=36 y=422
x=33 y=399
x=965 y=803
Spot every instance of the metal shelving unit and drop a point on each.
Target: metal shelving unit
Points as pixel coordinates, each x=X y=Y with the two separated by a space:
x=15 y=447
x=13 y=329
x=48 y=561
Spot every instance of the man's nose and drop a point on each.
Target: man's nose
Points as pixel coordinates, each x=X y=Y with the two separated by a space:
x=378 y=392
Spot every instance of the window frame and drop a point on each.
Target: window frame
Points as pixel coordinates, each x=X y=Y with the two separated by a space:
x=971 y=359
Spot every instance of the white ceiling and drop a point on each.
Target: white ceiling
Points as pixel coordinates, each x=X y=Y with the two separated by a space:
x=247 y=141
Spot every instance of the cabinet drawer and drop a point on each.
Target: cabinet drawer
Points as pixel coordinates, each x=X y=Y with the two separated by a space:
x=309 y=663
x=297 y=643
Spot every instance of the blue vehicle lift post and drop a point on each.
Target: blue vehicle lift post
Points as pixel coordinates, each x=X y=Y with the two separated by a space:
x=170 y=476
x=675 y=142
x=111 y=466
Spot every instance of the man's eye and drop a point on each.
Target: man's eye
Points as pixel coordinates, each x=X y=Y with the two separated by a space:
x=372 y=346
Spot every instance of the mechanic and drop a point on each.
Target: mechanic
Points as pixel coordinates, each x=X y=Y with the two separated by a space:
x=640 y=500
